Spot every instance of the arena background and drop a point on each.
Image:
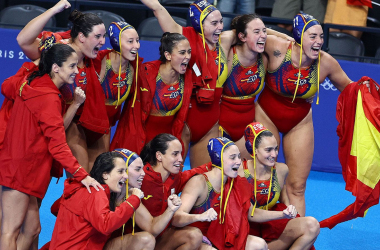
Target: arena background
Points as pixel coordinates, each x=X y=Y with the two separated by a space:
x=326 y=141
x=325 y=194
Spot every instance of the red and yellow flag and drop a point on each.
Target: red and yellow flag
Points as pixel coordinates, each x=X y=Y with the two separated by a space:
x=360 y=154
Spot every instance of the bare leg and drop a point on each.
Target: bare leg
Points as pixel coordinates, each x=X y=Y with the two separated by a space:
x=298 y=151
x=198 y=151
x=266 y=121
x=255 y=243
x=14 y=207
x=186 y=140
x=100 y=146
x=141 y=240
x=31 y=227
x=180 y=238
x=76 y=140
x=299 y=233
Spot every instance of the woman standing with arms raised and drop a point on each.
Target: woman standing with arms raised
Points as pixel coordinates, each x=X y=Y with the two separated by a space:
x=85 y=133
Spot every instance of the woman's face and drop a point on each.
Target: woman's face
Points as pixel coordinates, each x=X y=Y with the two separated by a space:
x=94 y=41
x=172 y=159
x=67 y=72
x=267 y=151
x=212 y=27
x=136 y=173
x=231 y=161
x=117 y=177
x=313 y=41
x=256 y=35
x=130 y=44
x=180 y=56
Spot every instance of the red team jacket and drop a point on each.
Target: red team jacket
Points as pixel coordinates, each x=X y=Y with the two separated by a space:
x=35 y=136
x=85 y=221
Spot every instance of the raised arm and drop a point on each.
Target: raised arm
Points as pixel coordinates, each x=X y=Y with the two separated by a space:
x=155 y=225
x=27 y=38
x=334 y=72
x=193 y=191
x=166 y=21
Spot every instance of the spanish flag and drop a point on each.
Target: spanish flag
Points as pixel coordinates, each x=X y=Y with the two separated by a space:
x=358 y=114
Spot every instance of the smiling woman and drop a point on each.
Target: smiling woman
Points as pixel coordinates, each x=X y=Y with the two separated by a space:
x=85 y=135
x=38 y=107
x=87 y=220
x=162 y=102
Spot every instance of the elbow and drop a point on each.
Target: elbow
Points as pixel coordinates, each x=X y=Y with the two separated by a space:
x=176 y=221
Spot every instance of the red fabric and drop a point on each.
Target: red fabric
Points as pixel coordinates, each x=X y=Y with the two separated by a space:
x=85 y=221
x=159 y=192
x=346 y=109
x=233 y=233
x=205 y=84
x=287 y=114
x=270 y=230
x=9 y=89
x=131 y=131
x=235 y=115
x=94 y=116
x=360 y=2
x=28 y=152
x=64 y=34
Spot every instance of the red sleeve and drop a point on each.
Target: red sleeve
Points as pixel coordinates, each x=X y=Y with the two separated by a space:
x=51 y=123
x=186 y=175
x=98 y=212
x=11 y=85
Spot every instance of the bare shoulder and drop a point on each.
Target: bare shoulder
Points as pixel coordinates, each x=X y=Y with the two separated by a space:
x=196 y=184
x=282 y=169
x=274 y=43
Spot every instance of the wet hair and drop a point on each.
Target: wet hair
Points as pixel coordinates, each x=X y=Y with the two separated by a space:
x=158 y=143
x=239 y=23
x=57 y=54
x=83 y=22
x=259 y=138
x=105 y=163
x=168 y=42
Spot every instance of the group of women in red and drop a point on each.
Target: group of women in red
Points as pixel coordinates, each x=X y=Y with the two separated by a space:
x=199 y=96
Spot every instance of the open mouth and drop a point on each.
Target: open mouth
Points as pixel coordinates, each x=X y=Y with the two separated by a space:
x=96 y=50
x=261 y=43
x=120 y=184
x=184 y=66
x=235 y=169
x=316 y=49
x=216 y=35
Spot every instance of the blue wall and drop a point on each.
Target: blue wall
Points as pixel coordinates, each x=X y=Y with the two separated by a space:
x=326 y=140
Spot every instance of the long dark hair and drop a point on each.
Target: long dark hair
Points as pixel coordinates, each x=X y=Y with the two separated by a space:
x=168 y=42
x=105 y=163
x=239 y=23
x=57 y=54
x=158 y=143
x=83 y=22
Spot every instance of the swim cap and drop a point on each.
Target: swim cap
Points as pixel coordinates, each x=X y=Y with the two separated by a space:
x=299 y=22
x=48 y=39
x=127 y=155
x=250 y=134
x=216 y=147
x=198 y=11
x=114 y=32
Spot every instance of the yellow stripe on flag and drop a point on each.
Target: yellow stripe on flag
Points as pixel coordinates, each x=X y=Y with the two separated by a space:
x=366 y=147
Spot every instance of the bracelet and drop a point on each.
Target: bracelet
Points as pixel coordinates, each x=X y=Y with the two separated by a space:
x=77 y=170
x=134 y=210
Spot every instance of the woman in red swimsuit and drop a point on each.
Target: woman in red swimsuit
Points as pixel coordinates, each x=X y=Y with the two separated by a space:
x=295 y=70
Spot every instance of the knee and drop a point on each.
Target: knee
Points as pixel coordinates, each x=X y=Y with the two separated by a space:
x=256 y=243
x=32 y=231
x=146 y=240
x=312 y=226
x=297 y=187
x=194 y=237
